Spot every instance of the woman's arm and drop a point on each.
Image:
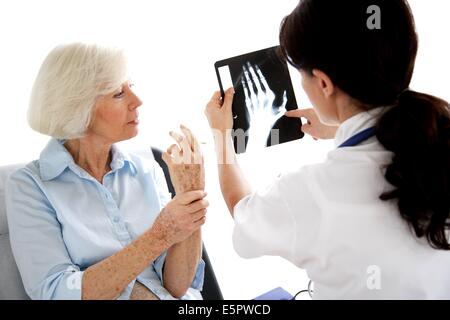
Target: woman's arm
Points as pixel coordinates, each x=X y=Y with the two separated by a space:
x=107 y=279
x=233 y=183
x=185 y=163
x=183 y=216
x=181 y=264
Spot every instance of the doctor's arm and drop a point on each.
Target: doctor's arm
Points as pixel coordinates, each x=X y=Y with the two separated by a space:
x=233 y=183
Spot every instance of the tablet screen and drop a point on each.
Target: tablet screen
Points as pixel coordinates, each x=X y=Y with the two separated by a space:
x=263 y=93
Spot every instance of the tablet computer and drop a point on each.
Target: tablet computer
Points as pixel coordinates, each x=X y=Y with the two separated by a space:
x=263 y=93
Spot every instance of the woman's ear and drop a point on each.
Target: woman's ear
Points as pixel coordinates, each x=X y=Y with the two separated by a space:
x=324 y=82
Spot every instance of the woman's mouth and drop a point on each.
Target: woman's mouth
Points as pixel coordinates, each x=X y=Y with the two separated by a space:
x=134 y=122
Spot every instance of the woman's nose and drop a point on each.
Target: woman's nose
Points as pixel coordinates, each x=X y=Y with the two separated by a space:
x=136 y=102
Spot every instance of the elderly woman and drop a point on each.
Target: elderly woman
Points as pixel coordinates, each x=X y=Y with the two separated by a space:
x=87 y=220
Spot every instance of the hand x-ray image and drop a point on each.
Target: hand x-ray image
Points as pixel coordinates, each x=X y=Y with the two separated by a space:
x=263 y=93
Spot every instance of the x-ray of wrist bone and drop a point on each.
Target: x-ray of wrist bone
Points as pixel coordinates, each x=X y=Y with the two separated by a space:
x=263 y=93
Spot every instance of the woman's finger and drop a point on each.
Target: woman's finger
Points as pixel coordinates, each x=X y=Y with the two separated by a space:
x=195 y=146
x=171 y=149
x=177 y=137
x=199 y=222
x=167 y=158
x=197 y=205
x=189 y=136
x=175 y=153
x=183 y=144
x=191 y=196
x=198 y=214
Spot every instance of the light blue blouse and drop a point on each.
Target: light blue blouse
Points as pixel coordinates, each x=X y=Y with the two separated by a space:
x=61 y=220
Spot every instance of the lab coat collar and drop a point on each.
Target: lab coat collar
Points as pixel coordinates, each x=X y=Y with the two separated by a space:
x=356 y=124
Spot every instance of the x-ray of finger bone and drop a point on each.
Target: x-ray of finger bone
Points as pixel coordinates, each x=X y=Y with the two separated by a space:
x=263 y=93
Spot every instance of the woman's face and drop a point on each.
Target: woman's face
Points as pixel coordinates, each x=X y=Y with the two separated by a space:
x=116 y=116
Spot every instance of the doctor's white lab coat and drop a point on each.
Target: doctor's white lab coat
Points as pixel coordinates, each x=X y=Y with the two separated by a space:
x=328 y=219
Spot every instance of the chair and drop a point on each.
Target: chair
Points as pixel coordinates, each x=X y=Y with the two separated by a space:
x=11 y=287
x=211 y=289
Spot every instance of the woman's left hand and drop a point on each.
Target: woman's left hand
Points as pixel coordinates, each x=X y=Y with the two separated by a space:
x=185 y=162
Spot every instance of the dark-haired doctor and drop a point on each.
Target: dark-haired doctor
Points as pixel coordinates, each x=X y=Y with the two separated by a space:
x=371 y=222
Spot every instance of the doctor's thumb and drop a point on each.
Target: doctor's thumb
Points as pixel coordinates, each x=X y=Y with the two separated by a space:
x=308 y=129
x=228 y=99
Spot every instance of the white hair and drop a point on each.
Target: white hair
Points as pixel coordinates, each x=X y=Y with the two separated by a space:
x=68 y=84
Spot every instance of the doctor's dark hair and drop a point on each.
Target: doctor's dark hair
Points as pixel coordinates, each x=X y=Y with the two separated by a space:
x=375 y=67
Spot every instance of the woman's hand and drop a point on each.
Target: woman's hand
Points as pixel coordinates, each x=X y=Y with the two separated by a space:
x=182 y=216
x=185 y=162
x=313 y=126
x=219 y=113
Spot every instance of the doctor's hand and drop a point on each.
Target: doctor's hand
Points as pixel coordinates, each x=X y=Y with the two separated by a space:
x=218 y=111
x=185 y=162
x=259 y=101
x=182 y=216
x=313 y=126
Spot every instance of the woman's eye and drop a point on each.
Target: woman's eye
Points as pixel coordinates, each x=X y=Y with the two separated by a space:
x=119 y=95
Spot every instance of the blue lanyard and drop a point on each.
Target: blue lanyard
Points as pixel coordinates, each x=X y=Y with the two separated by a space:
x=358 y=138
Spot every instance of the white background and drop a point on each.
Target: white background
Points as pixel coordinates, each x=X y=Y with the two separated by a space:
x=172 y=46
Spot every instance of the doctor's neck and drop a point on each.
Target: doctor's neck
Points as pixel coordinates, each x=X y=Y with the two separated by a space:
x=345 y=114
x=344 y=109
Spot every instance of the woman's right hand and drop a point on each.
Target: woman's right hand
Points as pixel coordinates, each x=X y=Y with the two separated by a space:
x=185 y=162
x=182 y=216
x=313 y=126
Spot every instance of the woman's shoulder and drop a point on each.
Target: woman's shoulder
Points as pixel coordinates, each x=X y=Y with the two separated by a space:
x=26 y=172
x=25 y=179
x=24 y=186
